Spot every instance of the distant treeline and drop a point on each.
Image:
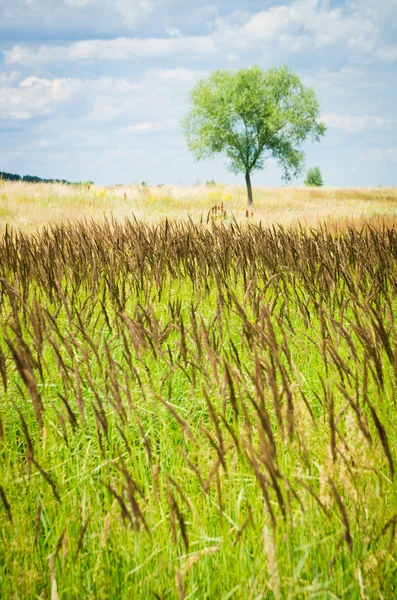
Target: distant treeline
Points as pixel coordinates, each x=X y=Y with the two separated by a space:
x=33 y=179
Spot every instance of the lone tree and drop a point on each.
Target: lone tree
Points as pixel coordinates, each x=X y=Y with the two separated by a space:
x=252 y=115
x=314 y=177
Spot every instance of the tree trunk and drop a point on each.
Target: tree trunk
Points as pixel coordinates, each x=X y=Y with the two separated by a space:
x=249 y=188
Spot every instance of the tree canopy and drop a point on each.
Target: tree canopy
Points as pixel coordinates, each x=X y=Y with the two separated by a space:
x=33 y=179
x=251 y=115
x=314 y=177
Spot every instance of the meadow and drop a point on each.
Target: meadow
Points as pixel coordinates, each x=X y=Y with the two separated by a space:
x=198 y=408
x=29 y=206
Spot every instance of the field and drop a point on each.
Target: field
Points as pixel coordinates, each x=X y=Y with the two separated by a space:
x=28 y=207
x=199 y=408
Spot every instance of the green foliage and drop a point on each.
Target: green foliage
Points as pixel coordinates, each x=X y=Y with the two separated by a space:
x=34 y=179
x=252 y=115
x=210 y=182
x=314 y=177
x=82 y=183
x=9 y=177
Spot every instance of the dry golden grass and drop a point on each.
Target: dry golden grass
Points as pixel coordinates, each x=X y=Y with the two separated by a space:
x=28 y=206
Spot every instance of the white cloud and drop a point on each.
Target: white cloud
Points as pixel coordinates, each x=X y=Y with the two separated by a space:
x=300 y=25
x=8 y=79
x=132 y=11
x=124 y=48
x=271 y=23
x=122 y=123
x=357 y=123
x=36 y=96
x=136 y=103
x=20 y=55
x=174 y=32
x=116 y=49
x=32 y=97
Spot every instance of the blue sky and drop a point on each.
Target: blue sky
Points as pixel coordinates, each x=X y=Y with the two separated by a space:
x=96 y=89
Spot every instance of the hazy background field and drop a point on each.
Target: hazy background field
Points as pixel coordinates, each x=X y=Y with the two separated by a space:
x=28 y=206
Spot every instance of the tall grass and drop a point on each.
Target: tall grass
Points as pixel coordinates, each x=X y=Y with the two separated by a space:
x=198 y=411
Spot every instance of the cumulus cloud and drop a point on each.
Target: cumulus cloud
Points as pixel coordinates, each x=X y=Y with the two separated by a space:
x=32 y=97
x=116 y=49
x=132 y=12
x=104 y=100
x=7 y=79
x=357 y=123
x=298 y=26
x=174 y=32
x=107 y=121
x=302 y=24
x=35 y=96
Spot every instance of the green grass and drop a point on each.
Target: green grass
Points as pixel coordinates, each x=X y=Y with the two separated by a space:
x=198 y=413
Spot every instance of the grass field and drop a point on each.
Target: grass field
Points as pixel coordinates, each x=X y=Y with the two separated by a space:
x=198 y=410
x=30 y=206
